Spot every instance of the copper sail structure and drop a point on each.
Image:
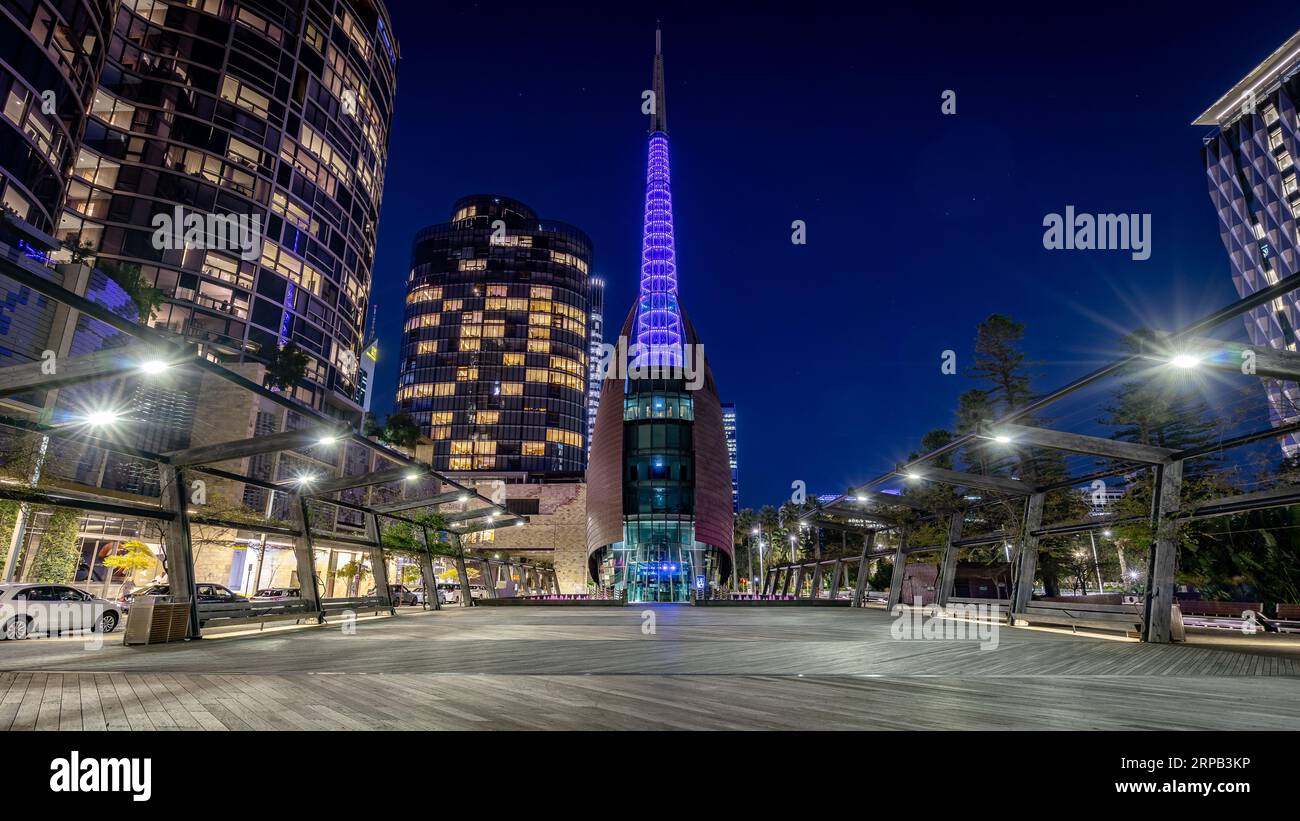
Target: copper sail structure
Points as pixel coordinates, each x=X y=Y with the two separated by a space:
x=659 y=509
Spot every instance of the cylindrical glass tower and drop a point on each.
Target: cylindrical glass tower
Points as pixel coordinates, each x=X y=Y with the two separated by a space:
x=494 y=359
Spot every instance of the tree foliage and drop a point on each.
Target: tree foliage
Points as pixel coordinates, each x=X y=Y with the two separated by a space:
x=288 y=367
x=59 y=551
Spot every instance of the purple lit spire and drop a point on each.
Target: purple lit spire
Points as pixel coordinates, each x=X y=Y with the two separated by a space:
x=658 y=320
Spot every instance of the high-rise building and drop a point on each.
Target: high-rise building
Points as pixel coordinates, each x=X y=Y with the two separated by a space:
x=596 y=332
x=729 y=428
x=51 y=55
x=659 y=507
x=274 y=115
x=1250 y=163
x=494 y=357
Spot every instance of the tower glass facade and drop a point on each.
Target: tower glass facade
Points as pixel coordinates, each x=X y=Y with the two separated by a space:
x=494 y=357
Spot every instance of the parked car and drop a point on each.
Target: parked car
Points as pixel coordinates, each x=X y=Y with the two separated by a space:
x=53 y=609
x=277 y=594
x=208 y=593
x=400 y=593
x=420 y=595
x=449 y=592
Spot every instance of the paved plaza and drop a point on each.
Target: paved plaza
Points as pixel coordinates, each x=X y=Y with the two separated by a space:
x=599 y=668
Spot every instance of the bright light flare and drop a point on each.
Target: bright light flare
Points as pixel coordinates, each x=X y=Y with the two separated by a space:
x=101 y=418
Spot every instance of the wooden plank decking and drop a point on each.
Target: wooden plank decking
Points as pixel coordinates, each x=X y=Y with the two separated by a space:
x=702 y=668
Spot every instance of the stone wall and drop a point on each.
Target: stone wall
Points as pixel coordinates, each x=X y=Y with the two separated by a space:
x=560 y=525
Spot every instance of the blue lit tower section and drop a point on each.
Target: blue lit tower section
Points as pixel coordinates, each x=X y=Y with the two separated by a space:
x=659 y=318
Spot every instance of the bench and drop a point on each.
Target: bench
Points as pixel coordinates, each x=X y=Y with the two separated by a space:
x=1229 y=609
x=997 y=608
x=1220 y=615
x=220 y=614
x=1126 y=617
x=1288 y=618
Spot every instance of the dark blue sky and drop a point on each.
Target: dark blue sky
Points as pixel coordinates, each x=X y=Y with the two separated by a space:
x=919 y=225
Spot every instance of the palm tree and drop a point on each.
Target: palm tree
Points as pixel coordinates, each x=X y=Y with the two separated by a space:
x=740 y=533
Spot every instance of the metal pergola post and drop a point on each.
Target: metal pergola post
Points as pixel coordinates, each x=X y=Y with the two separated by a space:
x=948 y=568
x=180 y=553
x=461 y=571
x=900 y=562
x=1158 y=607
x=304 y=554
x=1027 y=558
x=868 y=540
x=378 y=567
x=427 y=573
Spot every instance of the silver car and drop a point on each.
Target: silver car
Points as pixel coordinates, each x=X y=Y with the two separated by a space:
x=52 y=609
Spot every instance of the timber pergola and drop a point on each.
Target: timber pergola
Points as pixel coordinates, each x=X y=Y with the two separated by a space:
x=872 y=508
x=383 y=487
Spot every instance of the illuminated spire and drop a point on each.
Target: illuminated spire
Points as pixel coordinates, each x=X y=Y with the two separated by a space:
x=659 y=320
x=659 y=117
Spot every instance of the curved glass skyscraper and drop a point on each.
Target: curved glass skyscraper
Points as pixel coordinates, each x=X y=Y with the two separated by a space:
x=275 y=113
x=50 y=58
x=494 y=360
x=659 y=512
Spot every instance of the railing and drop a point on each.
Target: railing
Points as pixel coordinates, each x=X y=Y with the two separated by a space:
x=357 y=603
x=217 y=614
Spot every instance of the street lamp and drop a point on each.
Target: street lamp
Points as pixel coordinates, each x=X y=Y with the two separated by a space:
x=100 y=418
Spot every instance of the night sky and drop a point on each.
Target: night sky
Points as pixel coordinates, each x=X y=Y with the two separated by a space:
x=919 y=224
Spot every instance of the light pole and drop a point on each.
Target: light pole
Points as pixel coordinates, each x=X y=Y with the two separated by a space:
x=794 y=561
x=1096 y=562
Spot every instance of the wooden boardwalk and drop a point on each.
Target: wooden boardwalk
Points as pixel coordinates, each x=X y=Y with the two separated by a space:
x=702 y=668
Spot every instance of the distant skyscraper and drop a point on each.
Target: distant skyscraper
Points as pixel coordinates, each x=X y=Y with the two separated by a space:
x=659 y=513
x=729 y=428
x=596 y=296
x=1250 y=162
x=494 y=359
